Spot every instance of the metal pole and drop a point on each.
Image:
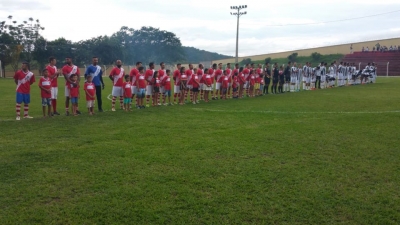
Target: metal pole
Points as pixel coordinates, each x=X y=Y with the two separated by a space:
x=237 y=38
x=387 y=69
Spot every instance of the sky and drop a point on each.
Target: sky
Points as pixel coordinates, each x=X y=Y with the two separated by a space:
x=208 y=24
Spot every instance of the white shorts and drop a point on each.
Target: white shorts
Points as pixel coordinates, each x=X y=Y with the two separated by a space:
x=217 y=86
x=89 y=103
x=189 y=86
x=162 y=90
x=177 y=89
x=117 y=91
x=66 y=91
x=54 y=92
x=308 y=80
x=293 y=80
x=305 y=79
x=201 y=87
x=206 y=88
x=134 y=90
x=340 y=76
x=246 y=85
x=149 y=90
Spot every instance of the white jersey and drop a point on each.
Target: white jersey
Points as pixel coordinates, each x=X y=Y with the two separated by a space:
x=305 y=71
x=331 y=70
x=294 y=71
x=323 y=70
x=372 y=68
x=299 y=72
x=317 y=71
x=340 y=69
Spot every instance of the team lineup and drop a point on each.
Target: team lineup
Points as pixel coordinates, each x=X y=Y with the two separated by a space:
x=197 y=84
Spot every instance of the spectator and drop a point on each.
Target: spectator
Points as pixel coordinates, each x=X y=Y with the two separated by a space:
x=351 y=49
x=378 y=46
x=391 y=48
x=373 y=49
x=367 y=49
x=363 y=49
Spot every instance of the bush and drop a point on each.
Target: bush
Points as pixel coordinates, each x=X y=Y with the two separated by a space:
x=245 y=61
x=267 y=60
x=293 y=57
x=316 y=56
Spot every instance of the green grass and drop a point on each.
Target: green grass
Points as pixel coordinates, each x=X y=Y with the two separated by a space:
x=317 y=157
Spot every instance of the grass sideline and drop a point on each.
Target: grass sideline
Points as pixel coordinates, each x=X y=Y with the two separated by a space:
x=317 y=157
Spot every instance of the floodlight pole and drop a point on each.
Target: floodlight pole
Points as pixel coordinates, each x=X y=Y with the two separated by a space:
x=1 y=71
x=238 y=14
x=237 y=38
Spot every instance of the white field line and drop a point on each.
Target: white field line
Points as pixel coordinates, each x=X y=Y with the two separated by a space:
x=294 y=112
x=109 y=97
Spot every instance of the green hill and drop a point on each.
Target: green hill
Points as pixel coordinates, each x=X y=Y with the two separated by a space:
x=194 y=55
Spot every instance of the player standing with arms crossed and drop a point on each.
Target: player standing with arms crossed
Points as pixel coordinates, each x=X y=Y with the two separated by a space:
x=149 y=87
x=45 y=92
x=200 y=73
x=161 y=73
x=228 y=68
x=53 y=73
x=133 y=74
x=218 y=75
x=177 y=87
x=293 y=75
x=117 y=76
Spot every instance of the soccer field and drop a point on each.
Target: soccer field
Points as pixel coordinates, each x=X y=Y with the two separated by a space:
x=314 y=157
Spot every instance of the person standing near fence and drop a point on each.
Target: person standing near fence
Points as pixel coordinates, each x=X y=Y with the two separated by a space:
x=68 y=70
x=96 y=73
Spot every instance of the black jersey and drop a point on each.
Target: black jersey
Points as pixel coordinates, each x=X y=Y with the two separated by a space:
x=276 y=73
x=287 y=71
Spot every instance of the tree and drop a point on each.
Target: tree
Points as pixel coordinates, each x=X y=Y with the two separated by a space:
x=245 y=61
x=23 y=37
x=40 y=53
x=292 y=57
x=106 y=48
x=153 y=44
x=7 y=45
x=316 y=56
x=267 y=60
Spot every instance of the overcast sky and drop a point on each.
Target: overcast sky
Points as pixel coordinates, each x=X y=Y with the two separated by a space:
x=208 y=25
